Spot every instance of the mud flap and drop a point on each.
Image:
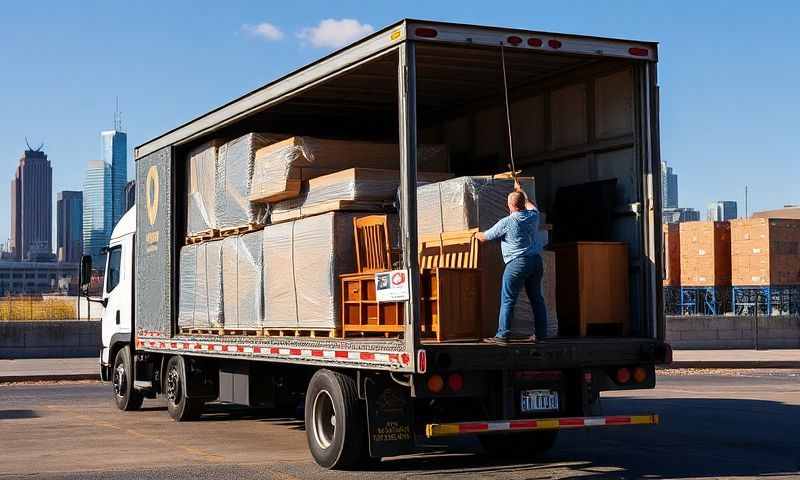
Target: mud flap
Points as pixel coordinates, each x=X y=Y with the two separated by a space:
x=389 y=417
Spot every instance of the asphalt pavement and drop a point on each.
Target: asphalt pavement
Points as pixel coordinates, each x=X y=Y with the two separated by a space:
x=737 y=424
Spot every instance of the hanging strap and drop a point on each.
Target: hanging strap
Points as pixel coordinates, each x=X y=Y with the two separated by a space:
x=508 y=113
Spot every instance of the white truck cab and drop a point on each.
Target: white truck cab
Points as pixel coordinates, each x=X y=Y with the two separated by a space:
x=117 y=296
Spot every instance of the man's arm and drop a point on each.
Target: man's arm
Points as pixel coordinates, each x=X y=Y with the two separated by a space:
x=497 y=231
x=529 y=205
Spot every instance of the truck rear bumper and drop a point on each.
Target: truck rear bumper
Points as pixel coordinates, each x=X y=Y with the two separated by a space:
x=435 y=430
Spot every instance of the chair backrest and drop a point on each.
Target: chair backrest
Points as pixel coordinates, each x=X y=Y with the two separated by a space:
x=373 y=252
x=449 y=250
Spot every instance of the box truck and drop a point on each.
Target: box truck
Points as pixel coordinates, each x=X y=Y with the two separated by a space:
x=581 y=114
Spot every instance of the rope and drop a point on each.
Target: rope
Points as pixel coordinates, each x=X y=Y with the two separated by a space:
x=508 y=113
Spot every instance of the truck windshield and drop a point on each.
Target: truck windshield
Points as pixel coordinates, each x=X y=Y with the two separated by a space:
x=112 y=272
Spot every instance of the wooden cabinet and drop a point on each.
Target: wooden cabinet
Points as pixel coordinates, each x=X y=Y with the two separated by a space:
x=592 y=288
x=450 y=306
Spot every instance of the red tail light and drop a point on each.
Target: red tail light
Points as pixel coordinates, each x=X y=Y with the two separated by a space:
x=639 y=52
x=554 y=43
x=639 y=375
x=435 y=383
x=623 y=375
x=425 y=32
x=535 y=42
x=455 y=381
x=514 y=40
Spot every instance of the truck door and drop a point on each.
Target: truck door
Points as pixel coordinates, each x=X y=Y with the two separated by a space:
x=117 y=290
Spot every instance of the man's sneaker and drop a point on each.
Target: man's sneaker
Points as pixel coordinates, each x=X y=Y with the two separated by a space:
x=497 y=340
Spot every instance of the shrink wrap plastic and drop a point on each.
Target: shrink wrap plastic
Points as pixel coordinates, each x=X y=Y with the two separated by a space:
x=199 y=283
x=234 y=174
x=186 y=285
x=354 y=184
x=201 y=188
x=469 y=202
x=302 y=263
x=242 y=266
x=280 y=167
x=208 y=295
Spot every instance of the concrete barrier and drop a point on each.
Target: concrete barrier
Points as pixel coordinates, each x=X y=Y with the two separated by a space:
x=50 y=339
x=724 y=332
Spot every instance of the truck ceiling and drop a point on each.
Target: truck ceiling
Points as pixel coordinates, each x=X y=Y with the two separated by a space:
x=543 y=52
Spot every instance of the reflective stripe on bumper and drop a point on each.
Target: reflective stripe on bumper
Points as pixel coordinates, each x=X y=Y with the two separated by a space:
x=465 y=428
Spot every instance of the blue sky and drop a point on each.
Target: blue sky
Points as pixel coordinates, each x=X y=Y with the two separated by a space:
x=729 y=74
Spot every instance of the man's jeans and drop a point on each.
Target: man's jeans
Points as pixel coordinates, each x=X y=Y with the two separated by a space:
x=527 y=271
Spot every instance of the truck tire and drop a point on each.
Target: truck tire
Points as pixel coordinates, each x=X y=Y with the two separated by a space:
x=125 y=396
x=335 y=419
x=180 y=407
x=518 y=445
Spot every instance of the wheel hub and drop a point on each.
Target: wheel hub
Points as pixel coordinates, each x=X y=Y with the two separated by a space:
x=173 y=386
x=119 y=381
x=324 y=417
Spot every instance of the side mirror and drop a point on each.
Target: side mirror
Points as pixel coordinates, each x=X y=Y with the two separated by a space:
x=86 y=273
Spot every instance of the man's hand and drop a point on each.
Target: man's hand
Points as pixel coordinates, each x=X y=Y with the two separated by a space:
x=518 y=187
x=480 y=236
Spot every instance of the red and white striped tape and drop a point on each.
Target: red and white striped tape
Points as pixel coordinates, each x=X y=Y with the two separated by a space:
x=452 y=429
x=391 y=359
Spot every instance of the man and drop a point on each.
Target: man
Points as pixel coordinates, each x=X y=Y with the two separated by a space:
x=517 y=234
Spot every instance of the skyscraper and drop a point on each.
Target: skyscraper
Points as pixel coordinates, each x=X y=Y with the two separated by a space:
x=31 y=206
x=97 y=210
x=115 y=153
x=69 y=226
x=669 y=187
x=130 y=194
x=722 y=210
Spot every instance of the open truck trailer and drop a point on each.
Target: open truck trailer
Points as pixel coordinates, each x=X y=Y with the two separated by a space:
x=583 y=111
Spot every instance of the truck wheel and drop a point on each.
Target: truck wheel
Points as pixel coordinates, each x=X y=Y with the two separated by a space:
x=518 y=445
x=180 y=407
x=125 y=396
x=334 y=420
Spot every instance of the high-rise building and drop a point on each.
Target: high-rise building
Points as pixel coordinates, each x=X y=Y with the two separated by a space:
x=722 y=210
x=69 y=226
x=31 y=206
x=97 y=210
x=669 y=187
x=130 y=194
x=115 y=153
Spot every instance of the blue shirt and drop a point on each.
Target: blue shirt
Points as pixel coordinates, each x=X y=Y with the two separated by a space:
x=517 y=234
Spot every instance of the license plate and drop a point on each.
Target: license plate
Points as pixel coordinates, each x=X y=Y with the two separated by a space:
x=539 y=400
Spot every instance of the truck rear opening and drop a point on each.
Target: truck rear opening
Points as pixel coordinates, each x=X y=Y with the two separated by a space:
x=583 y=118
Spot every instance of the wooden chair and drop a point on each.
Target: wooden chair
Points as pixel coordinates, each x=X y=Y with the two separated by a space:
x=373 y=250
x=449 y=250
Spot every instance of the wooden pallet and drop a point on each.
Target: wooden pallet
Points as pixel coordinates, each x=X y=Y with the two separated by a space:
x=201 y=331
x=203 y=236
x=252 y=227
x=312 y=333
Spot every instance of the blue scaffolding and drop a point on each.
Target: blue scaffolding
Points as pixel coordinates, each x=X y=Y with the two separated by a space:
x=766 y=300
x=672 y=300
x=704 y=300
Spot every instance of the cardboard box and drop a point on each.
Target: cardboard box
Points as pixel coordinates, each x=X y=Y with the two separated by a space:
x=201 y=188
x=242 y=277
x=302 y=263
x=765 y=251
x=281 y=167
x=705 y=251
x=353 y=189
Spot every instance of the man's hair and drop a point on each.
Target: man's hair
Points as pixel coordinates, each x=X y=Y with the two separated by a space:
x=517 y=200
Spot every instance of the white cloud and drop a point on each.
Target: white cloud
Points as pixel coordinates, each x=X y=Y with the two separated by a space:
x=335 y=33
x=264 y=30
